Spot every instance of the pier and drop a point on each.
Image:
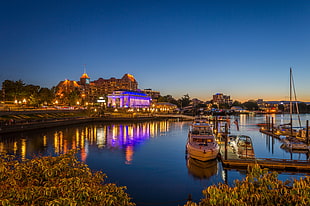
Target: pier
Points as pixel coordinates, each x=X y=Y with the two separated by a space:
x=231 y=160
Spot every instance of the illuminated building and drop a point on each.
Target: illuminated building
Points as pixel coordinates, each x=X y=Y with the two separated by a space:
x=128 y=99
x=153 y=94
x=90 y=91
x=164 y=107
x=220 y=98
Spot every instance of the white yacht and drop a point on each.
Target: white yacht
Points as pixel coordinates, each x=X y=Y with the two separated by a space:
x=201 y=143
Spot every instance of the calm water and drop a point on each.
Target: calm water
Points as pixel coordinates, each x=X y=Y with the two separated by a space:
x=149 y=158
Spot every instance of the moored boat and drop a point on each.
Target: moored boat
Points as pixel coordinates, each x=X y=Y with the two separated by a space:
x=243 y=146
x=201 y=143
x=293 y=143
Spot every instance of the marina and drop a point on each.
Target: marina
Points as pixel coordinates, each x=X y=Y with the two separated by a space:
x=231 y=160
x=149 y=157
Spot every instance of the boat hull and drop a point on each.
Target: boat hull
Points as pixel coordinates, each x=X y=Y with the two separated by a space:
x=202 y=153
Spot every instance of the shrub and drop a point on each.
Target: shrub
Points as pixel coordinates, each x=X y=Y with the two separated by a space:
x=260 y=187
x=61 y=180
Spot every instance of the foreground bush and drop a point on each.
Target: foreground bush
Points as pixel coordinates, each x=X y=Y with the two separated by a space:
x=61 y=180
x=260 y=187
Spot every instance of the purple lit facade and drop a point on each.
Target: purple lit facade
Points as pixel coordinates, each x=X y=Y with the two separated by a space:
x=129 y=99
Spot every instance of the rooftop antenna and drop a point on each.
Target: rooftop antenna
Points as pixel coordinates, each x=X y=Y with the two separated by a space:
x=84 y=68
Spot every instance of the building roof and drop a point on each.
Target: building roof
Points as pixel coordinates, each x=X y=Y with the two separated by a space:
x=129 y=77
x=85 y=76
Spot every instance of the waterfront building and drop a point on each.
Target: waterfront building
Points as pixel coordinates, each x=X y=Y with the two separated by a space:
x=63 y=89
x=128 y=99
x=86 y=91
x=164 y=107
x=153 y=94
x=220 y=98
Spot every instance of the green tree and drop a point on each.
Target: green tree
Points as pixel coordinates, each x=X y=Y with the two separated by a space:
x=168 y=98
x=237 y=103
x=13 y=90
x=214 y=106
x=260 y=187
x=184 y=101
x=61 y=180
x=33 y=100
x=46 y=96
x=224 y=106
x=73 y=97
x=250 y=105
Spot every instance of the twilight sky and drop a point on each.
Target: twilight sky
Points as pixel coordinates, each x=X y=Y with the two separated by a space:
x=240 y=48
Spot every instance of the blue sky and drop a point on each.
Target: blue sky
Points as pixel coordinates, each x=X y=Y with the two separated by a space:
x=240 y=48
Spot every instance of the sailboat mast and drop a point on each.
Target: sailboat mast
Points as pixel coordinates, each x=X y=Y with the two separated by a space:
x=296 y=103
x=291 y=105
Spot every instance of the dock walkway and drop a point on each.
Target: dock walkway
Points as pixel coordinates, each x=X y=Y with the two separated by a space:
x=234 y=162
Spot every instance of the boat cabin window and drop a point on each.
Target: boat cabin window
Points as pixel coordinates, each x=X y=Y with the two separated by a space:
x=202 y=141
x=202 y=131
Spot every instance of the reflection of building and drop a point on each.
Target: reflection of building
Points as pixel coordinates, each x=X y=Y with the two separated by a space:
x=59 y=141
x=89 y=91
x=220 y=98
x=128 y=99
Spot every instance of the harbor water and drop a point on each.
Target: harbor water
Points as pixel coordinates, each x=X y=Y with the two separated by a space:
x=149 y=158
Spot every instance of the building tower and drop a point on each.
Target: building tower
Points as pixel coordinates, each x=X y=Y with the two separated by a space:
x=84 y=79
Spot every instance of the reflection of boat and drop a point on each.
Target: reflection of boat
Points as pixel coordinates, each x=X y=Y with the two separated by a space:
x=201 y=142
x=201 y=169
x=243 y=146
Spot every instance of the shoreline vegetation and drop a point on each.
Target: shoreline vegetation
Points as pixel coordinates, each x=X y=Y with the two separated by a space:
x=64 y=180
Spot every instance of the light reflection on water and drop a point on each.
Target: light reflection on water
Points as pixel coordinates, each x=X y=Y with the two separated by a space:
x=60 y=140
x=148 y=157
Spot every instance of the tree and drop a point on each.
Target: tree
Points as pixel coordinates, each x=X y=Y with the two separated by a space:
x=13 y=90
x=250 y=105
x=19 y=91
x=184 y=101
x=224 y=106
x=237 y=103
x=260 y=187
x=214 y=106
x=167 y=98
x=164 y=98
x=73 y=97
x=61 y=180
x=46 y=96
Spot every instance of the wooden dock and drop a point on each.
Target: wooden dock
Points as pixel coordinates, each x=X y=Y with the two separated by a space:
x=232 y=161
x=270 y=133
